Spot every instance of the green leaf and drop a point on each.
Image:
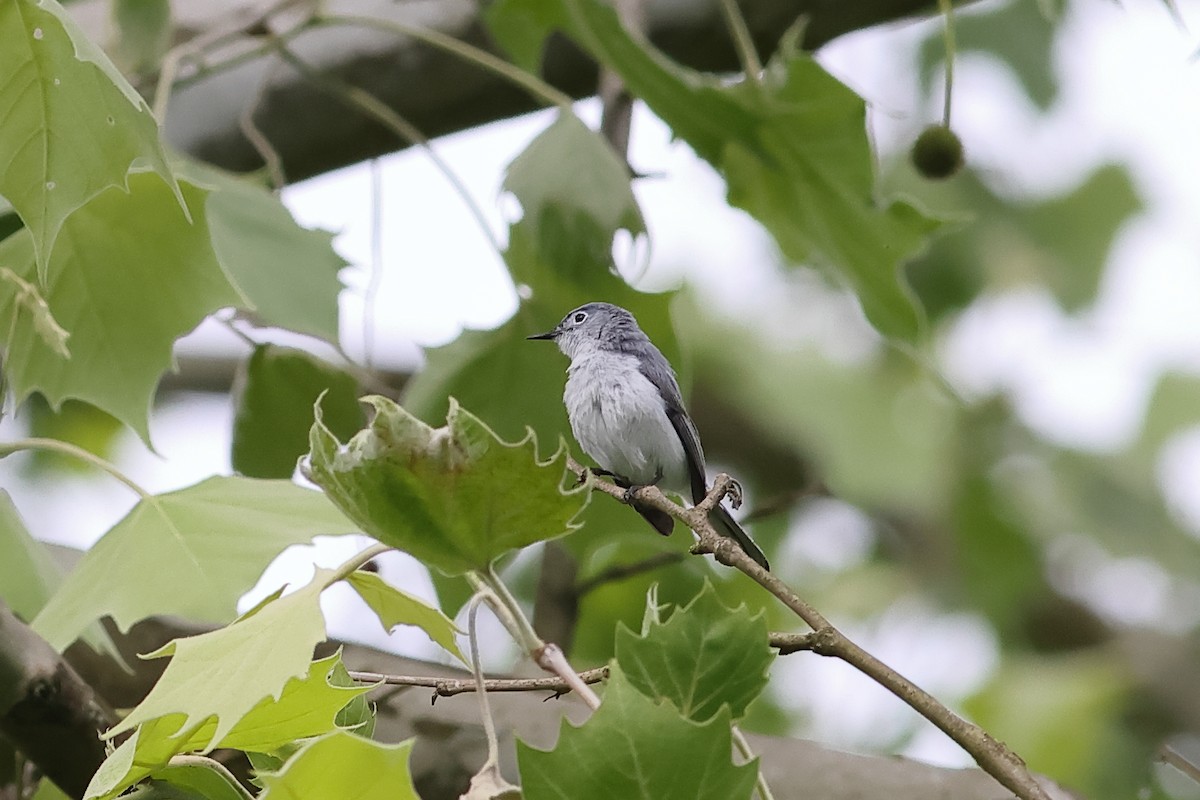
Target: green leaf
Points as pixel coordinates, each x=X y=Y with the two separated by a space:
x=326 y=766
x=793 y=149
x=570 y=170
x=307 y=707
x=192 y=553
x=704 y=658
x=128 y=276
x=196 y=781
x=456 y=497
x=143 y=33
x=258 y=653
x=272 y=408
x=636 y=749
x=47 y=790
x=288 y=273
x=73 y=126
x=395 y=607
x=28 y=575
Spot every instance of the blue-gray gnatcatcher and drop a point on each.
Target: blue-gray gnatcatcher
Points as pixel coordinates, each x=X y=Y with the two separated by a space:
x=627 y=413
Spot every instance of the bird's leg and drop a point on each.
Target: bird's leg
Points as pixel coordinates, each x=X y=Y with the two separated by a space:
x=632 y=488
x=597 y=472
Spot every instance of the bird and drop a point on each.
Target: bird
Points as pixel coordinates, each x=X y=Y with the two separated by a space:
x=627 y=413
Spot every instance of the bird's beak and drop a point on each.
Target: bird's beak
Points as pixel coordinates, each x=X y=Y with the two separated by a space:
x=553 y=334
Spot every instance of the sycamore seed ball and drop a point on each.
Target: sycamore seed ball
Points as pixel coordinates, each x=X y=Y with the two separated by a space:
x=937 y=153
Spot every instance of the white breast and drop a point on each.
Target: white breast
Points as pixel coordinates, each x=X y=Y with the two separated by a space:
x=618 y=419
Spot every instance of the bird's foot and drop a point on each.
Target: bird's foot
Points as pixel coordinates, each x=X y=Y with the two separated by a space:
x=631 y=489
x=734 y=493
x=595 y=472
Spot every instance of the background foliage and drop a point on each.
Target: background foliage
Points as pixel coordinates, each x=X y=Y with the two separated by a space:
x=114 y=248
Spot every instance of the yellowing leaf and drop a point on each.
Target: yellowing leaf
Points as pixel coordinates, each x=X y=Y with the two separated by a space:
x=192 y=553
x=395 y=607
x=456 y=497
x=307 y=707
x=326 y=766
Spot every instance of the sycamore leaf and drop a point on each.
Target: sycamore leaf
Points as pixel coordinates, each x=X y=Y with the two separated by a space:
x=704 y=658
x=307 y=707
x=192 y=553
x=128 y=276
x=324 y=768
x=73 y=126
x=637 y=749
x=29 y=576
x=793 y=148
x=288 y=273
x=456 y=497
x=395 y=607
x=192 y=781
x=227 y=672
x=273 y=400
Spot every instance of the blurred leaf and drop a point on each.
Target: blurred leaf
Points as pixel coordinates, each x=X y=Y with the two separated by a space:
x=357 y=716
x=28 y=575
x=705 y=658
x=325 y=767
x=195 y=782
x=456 y=497
x=1061 y=243
x=793 y=149
x=143 y=33
x=73 y=126
x=637 y=749
x=395 y=607
x=570 y=171
x=1174 y=408
x=1020 y=34
x=10 y=223
x=79 y=423
x=48 y=791
x=273 y=401
x=879 y=432
x=288 y=273
x=192 y=553
x=1072 y=699
x=128 y=276
x=308 y=706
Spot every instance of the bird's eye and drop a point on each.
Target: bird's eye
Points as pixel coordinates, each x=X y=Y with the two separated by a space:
x=580 y=317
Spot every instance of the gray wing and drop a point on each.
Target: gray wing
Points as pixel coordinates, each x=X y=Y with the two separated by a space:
x=654 y=366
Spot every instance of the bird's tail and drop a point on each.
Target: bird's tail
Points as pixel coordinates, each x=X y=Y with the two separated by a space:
x=726 y=525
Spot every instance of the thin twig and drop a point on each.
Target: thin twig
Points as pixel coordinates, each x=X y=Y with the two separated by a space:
x=743 y=747
x=75 y=451
x=449 y=687
x=485 y=708
x=947 y=9
x=743 y=42
x=622 y=571
x=1169 y=755
x=992 y=755
x=788 y=643
x=383 y=114
x=552 y=659
x=376 y=277
x=258 y=140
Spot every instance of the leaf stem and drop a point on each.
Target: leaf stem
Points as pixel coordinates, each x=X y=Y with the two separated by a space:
x=485 y=708
x=743 y=747
x=195 y=760
x=743 y=42
x=358 y=561
x=947 y=9
x=75 y=451
x=467 y=52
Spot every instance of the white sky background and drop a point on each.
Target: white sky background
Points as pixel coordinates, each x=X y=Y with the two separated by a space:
x=1129 y=93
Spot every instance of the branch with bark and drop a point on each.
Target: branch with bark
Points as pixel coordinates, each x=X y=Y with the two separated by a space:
x=992 y=755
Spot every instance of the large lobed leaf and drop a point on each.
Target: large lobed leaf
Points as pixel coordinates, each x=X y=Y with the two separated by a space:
x=191 y=553
x=73 y=126
x=704 y=658
x=793 y=148
x=323 y=768
x=456 y=497
x=636 y=749
x=396 y=607
x=307 y=706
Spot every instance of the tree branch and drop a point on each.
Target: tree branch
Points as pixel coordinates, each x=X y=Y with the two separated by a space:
x=46 y=710
x=992 y=755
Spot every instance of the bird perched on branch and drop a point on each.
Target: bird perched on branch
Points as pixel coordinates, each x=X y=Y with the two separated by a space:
x=627 y=413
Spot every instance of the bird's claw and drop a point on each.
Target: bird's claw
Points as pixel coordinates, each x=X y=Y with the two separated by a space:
x=596 y=472
x=734 y=493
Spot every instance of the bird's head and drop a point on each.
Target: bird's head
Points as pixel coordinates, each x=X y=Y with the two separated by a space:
x=592 y=326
